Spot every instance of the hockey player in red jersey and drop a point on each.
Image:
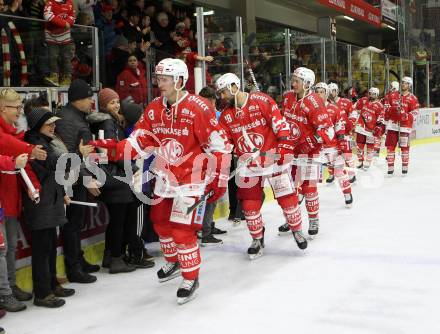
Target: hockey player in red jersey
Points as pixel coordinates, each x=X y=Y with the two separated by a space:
x=254 y=125
x=369 y=127
x=182 y=131
x=400 y=114
x=332 y=152
x=311 y=127
x=348 y=118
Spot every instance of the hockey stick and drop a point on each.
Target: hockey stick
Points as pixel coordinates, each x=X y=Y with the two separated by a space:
x=247 y=44
x=207 y=196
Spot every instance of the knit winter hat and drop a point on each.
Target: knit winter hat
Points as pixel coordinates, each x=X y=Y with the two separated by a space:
x=40 y=116
x=78 y=90
x=131 y=110
x=105 y=96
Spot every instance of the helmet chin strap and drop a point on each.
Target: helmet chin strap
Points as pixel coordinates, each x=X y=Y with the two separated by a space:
x=174 y=113
x=229 y=86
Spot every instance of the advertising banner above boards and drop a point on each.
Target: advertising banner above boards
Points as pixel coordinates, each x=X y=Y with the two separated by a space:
x=357 y=9
x=427 y=123
x=389 y=10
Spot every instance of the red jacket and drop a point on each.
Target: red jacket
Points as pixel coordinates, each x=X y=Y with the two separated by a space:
x=132 y=83
x=10 y=184
x=57 y=13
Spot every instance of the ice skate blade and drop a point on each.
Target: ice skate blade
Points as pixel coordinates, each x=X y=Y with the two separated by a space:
x=255 y=256
x=169 y=278
x=348 y=206
x=184 y=300
x=211 y=244
x=281 y=234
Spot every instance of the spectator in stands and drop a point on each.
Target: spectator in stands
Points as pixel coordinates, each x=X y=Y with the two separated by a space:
x=60 y=17
x=167 y=7
x=86 y=7
x=163 y=41
x=131 y=29
x=190 y=58
x=150 y=10
x=146 y=28
x=74 y=132
x=106 y=25
x=117 y=59
x=209 y=229
x=10 y=194
x=132 y=82
x=44 y=217
x=38 y=54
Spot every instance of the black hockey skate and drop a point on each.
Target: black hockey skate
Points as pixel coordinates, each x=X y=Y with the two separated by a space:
x=256 y=248
x=313 y=226
x=330 y=179
x=283 y=229
x=404 y=170
x=348 y=200
x=353 y=179
x=186 y=291
x=168 y=272
x=361 y=165
x=300 y=240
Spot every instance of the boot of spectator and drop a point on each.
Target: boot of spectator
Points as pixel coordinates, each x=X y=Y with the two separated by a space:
x=20 y=294
x=66 y=80
x=60 y=291
x=88 y=267
x=50 y=301
x=117 y=266
x=11 y=304
x=52 y=79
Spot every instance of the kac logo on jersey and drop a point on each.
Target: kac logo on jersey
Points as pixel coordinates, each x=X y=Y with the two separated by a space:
x=171 y=149
x=256 y=141
x=295 y=131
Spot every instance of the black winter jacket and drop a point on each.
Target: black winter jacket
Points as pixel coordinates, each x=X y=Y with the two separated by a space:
x=113 y=191
x=49 y=212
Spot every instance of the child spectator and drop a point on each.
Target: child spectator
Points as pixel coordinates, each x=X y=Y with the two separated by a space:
x=60 y=17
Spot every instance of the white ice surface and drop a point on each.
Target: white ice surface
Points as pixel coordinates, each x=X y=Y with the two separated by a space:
x=374 y=268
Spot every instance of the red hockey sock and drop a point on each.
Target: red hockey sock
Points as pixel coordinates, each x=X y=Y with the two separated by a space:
x=168 y=247
x=405 y=156
x=312 y=204
x=189 y=260
x=251 y=210
x=343 y=180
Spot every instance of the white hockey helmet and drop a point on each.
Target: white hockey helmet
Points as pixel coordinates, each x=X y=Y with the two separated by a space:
x=408 y=80
x=394 y=86
x=374 y=92
x=307 y=76
x=324 y=86
x=226 y=81
x=333 y=86
x=173 y=67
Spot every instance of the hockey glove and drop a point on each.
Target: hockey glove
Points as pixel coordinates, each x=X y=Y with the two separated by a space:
x=217 y=187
